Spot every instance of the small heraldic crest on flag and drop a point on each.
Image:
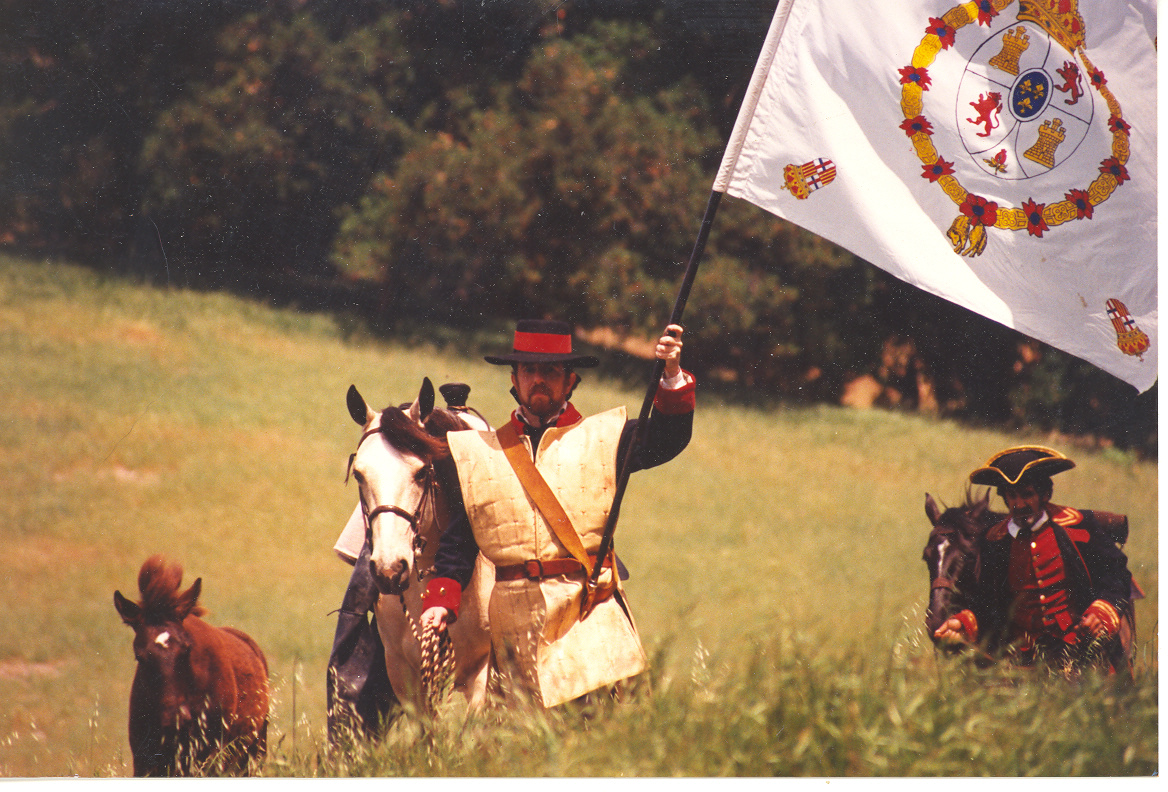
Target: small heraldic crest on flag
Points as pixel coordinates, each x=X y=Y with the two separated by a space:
x=1130 y=339
x=802 y=180
x=1000 y=154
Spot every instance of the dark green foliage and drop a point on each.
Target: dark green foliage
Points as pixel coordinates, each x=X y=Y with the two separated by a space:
x=251 y=168
x=80 y=84
x=576 y=184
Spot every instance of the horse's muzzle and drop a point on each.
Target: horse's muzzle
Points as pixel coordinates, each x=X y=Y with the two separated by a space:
x=394 y=580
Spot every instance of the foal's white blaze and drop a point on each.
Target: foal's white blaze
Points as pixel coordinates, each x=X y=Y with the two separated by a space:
x=941 y=548
x=163 y=639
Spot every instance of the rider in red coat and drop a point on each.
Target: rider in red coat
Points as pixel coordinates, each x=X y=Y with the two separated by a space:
x=1053 y=583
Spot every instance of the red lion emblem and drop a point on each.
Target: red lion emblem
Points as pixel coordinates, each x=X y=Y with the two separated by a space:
x=1074 y=81
x=988 y=108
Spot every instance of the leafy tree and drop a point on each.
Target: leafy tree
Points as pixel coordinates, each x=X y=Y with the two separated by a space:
x=577 y=192
x=515 y=205
x=79 y=83
x=249 y=170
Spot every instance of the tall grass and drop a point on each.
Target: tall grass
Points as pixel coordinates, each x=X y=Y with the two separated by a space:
x=776 y=573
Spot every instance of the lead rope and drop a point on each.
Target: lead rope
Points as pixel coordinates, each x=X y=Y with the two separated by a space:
x=437 y=669
x=437 y=662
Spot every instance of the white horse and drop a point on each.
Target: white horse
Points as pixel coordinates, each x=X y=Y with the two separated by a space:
x=405 y=508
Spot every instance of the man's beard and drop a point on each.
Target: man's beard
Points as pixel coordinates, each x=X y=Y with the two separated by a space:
x=539 y=402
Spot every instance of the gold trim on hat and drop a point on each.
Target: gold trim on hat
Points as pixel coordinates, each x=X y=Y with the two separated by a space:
x=1053 y=457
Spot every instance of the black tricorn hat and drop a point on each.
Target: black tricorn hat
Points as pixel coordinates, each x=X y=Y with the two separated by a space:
x=543 y=341
x=1020 y=465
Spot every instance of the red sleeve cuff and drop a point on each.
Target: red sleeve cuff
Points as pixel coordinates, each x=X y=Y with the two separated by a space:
x=443 y=593
x=676 y=402
x=1106 y=613
x=968 y=623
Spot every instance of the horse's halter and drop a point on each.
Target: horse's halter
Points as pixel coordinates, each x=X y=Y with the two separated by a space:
x=417 y=543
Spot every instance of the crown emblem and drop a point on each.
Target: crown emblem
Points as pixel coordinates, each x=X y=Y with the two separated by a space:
x=802 y=180
x=1130 y=339
x=1014 y=43
x=1050 y=134
x=1059 y=18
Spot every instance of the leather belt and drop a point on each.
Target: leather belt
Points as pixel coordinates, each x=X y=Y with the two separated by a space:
x=535 y=569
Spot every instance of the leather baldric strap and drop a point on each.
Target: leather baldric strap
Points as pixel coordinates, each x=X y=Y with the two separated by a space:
x=539 y=491
x=557 y=519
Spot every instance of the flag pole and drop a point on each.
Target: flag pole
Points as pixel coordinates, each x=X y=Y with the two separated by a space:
x=754 y=89
x=622 y=481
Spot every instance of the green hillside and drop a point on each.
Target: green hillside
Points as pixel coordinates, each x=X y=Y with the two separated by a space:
x=775 y=564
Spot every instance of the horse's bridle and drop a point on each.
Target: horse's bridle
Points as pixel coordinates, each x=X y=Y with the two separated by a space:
x=418 y=543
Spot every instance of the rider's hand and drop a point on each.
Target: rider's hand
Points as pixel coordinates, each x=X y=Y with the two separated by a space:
x=959 y=628
x=951 y=630
x=669 y=350
x=1100 y=620
x=435 y=618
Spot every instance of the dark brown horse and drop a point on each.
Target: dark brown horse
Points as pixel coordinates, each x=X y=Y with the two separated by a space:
x=199 y=700
x=953 y=555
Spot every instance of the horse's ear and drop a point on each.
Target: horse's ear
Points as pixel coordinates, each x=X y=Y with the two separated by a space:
x=422 y=407
x=358 y=409
x=126 y=609
x=980 y=507
x=931 y=509
x=188 y=601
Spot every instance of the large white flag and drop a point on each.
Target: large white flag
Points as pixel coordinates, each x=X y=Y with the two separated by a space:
x=999 y=153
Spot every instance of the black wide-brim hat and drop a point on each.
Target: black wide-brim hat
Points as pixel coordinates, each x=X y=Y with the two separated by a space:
x=1020 y=465
x=543 y=341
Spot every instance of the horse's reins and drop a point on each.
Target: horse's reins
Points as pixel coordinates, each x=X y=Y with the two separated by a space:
x=437 y=662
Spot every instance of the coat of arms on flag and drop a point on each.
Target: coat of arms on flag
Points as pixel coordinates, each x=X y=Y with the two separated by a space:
x=1000 y=154
x=1130 y=339
x=804 y=179
x=1025 y=89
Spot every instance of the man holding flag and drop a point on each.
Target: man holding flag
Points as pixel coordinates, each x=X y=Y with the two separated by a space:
x=535 y=497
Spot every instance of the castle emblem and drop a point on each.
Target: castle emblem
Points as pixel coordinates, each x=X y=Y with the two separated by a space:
x=1050 y=135
x=1014 y=43
x=1035 y=95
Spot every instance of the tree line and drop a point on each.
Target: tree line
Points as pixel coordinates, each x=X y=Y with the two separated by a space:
x=466 y=163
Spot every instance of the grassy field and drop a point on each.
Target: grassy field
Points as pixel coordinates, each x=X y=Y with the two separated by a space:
x=776 y=572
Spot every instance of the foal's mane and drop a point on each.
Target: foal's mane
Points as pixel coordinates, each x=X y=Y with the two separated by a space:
x=158 y=581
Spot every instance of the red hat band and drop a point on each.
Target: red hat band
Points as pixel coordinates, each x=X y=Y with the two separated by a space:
x=543 y=343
